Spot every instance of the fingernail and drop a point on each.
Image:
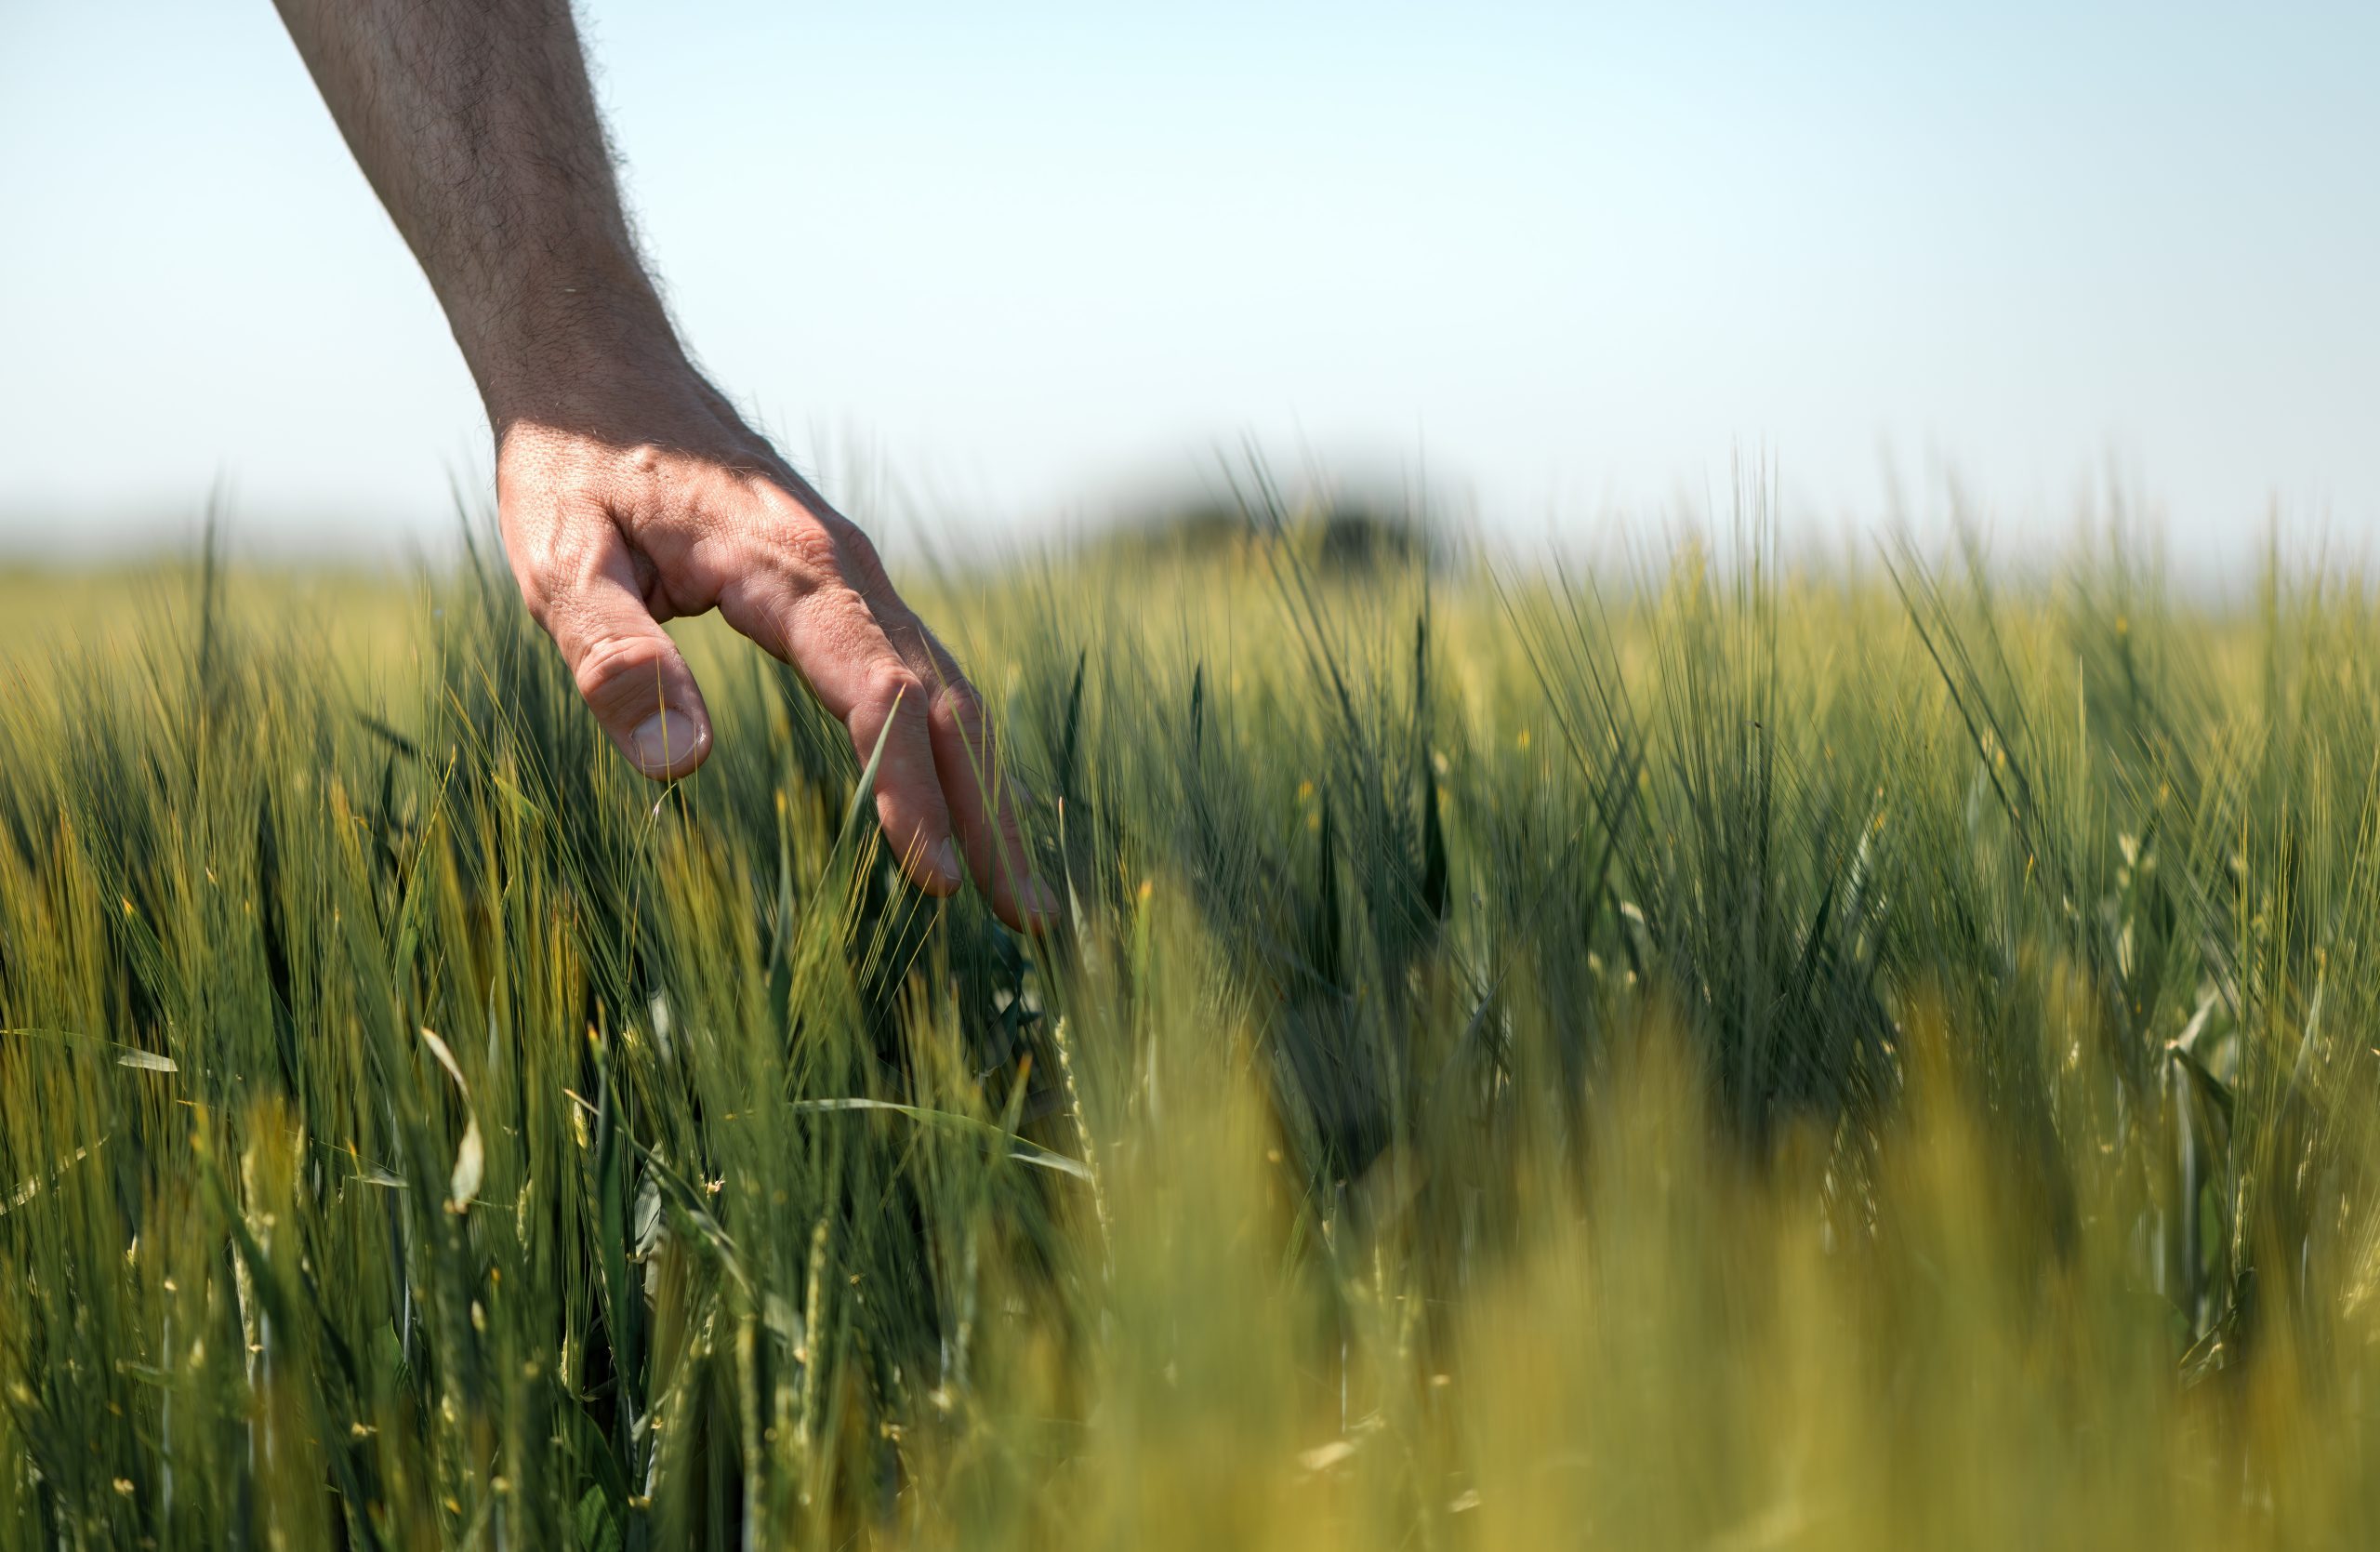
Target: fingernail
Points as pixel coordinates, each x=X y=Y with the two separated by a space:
x=663 y=739
x=1040 y=900
x=944 y=860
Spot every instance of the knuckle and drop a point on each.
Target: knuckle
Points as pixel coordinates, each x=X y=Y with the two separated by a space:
x=895 y=684
x=806 y=549
x=607 y=664
x=547 y=560
x=554 y=537
x=819 y=543
x=958 y=704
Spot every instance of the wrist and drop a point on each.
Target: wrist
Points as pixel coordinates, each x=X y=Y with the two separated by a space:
x=561 y=349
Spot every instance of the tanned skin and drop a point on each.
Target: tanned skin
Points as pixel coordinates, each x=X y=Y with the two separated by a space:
x=630 y=492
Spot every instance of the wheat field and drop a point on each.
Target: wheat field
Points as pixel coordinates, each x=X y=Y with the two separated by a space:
x=1727 y=1055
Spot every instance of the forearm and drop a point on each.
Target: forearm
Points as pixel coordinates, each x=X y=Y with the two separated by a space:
x=476 y=125
x=630 y=492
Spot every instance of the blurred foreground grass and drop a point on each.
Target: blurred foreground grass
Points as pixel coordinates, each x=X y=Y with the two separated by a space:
x=1744 y=1061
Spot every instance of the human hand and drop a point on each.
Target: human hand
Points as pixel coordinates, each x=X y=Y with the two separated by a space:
x=630 y=493
x=629 y=505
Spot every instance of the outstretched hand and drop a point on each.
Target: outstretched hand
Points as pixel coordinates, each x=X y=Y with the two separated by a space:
x=654 y=502
x=630 y=493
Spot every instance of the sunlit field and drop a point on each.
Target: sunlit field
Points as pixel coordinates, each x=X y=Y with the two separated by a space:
x=1716 y=1056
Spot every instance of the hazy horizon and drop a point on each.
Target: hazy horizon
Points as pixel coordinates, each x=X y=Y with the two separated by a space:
x=1563 y=267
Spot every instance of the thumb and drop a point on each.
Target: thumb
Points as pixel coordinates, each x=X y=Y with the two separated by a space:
x=630 y=672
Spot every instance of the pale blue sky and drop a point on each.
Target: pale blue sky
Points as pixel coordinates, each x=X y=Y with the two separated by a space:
x=1029 y=255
